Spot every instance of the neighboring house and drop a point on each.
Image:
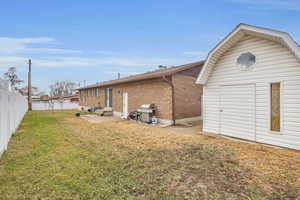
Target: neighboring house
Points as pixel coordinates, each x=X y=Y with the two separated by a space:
x=44 y=97
x=251 y=87
x=173 y=91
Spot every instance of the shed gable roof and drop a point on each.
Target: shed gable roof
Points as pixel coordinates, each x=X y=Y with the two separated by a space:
x=232 y=38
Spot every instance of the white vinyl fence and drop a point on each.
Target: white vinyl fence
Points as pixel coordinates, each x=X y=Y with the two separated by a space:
x=57 y=105
x=13 y=107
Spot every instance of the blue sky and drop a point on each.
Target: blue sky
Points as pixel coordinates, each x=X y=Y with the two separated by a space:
x=93 y=40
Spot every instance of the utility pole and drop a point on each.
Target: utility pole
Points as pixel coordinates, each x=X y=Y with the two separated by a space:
x=119 y=75
x=29 y=86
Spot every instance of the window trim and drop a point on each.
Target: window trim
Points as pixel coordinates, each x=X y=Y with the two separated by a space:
x=270 y=109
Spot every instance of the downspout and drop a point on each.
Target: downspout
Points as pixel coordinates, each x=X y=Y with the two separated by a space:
x=173 y=96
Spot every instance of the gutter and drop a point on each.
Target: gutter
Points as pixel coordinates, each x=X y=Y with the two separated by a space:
x=173 y=96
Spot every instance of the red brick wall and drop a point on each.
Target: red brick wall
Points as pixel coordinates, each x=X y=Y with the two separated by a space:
x=154 y=91
x=187 y=95
x=92 y=100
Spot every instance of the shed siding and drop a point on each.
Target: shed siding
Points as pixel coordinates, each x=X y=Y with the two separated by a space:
x=274 y=63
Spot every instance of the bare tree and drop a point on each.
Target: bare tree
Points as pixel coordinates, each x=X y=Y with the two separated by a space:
x=12 y=77
x=24 y=90
x=62 y=88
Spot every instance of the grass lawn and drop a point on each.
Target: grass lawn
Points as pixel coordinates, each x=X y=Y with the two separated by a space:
x=58 y=156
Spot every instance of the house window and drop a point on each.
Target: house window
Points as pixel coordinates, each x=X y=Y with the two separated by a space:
x=275 y=107
x=97 y=92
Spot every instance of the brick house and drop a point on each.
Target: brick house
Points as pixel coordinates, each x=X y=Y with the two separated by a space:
x=172 y=90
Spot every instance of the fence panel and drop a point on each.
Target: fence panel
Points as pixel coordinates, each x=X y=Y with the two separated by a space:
x=44 y=105
x=13 y=107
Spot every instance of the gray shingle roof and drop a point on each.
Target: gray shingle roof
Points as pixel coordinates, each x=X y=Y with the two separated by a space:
x=148 y=75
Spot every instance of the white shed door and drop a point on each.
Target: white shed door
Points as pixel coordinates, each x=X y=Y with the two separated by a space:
x=237 y=111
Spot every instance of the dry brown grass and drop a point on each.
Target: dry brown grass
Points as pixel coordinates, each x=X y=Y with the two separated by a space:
x=58 y=156
x=277 y=171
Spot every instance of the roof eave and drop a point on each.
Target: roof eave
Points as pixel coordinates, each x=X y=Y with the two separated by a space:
x=163 y=74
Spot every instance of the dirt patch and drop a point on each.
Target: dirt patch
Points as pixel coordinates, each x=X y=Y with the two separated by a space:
x=194 y=127
x=99 y=119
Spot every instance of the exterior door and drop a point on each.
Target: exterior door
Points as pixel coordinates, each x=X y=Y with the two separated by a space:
x=108 y=95
x=125 y=104
x=237 y=111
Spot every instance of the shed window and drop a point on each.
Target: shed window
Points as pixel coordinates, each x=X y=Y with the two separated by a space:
x=97 y=92
x=246 y=60
x=275 y=107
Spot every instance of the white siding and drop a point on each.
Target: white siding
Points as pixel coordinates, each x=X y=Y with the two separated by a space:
x=237 y=115
x=211 y=103
x=274 y=63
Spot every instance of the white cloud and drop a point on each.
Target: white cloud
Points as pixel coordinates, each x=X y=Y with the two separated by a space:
x=92 y=62
x=107 y=52
x=26 y=40
x=22 y=46
x=195 y=53
x=16 y=52
x=123 y=73
x=292 y=5
x=52 y=51
x=61 y=62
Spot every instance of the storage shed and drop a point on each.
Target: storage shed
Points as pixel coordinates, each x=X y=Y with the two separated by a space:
x=251 y=87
